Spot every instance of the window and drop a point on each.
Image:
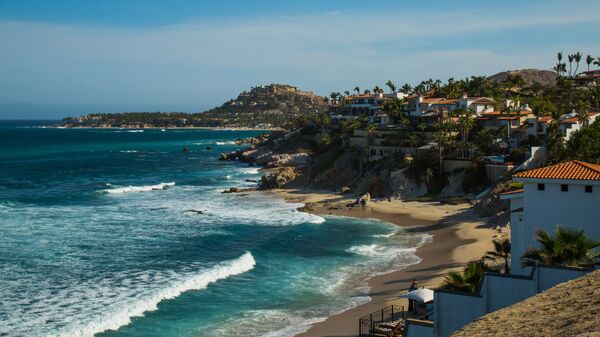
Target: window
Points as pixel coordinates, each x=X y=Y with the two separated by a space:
x=541 y=187
x=564 y=188
x=588 y=188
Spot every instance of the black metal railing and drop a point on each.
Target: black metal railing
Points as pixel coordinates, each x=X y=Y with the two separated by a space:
x=377 y=322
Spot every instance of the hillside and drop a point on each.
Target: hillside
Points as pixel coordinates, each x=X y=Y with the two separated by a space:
x=264 y=106
x=569 y=309
x=275 y=103
x=530 y=76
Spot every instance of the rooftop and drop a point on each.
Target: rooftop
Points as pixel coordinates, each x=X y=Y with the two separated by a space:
x=570 y=170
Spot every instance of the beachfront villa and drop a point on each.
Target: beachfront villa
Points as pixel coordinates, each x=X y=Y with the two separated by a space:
x=420 y=106
x=565 y=194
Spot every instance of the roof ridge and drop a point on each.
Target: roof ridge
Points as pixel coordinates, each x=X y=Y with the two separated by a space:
x=572 y=169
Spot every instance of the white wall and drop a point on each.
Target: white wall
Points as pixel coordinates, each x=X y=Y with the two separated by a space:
x=452 y=311
x=545 y=209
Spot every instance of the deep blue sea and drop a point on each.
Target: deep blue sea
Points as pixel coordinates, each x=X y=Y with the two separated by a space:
x=96 y=239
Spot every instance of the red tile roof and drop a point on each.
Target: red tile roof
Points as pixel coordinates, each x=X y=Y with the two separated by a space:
x=572 y=120
x=570 y=170
x=512 y=192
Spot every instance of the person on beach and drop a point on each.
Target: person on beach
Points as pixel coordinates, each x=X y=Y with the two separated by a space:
x=411 y=303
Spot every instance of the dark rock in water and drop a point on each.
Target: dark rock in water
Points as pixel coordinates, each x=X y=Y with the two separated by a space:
x=209 y=147
x=229 y=155
x=238 y=190
x=197 y=211
x=250 y=181
x=185 y=149
x=308 y=207
x=234 y=190
x=278 y=179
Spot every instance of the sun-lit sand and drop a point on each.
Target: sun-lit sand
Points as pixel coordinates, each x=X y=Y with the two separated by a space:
x=458 y=236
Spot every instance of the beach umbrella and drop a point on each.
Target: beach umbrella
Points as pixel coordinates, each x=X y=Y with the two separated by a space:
x=423 y=295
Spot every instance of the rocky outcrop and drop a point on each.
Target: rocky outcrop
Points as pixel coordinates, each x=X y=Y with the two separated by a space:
x=454 y=186
x=403 y=187
x=278 y=178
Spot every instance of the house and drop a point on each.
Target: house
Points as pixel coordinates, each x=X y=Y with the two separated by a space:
x=517 y=123
x=569 y=123
x=566 y=194
x=588 y=78
x=418 y=106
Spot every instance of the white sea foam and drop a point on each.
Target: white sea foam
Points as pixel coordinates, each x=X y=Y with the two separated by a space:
x=375 y=250
x=147 y=188
x=137 y=303
x=252 y=170
x=226 y=143
x=135 y=131
x=128 y=151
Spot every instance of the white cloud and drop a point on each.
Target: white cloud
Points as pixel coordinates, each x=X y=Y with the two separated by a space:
x=207 y=62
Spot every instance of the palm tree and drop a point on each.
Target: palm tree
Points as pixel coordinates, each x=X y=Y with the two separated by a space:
x=597 y=62
x=567 y=247
x=377 y=90
x=391 y=85
x=469 y=280
x=406 y=88
x=333 y=96
x=589 y=60
x=583 y=117
x=367 y=91
x=577 y=58
x=559 y=56
x=466 y=122
x=357 y=89
x=347 y=93
x=571 y=57
x=501 y=252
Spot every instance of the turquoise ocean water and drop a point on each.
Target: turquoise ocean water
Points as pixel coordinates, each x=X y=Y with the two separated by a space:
x=95 y=239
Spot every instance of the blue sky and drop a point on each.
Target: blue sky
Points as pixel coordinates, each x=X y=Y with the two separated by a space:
x=68 y=57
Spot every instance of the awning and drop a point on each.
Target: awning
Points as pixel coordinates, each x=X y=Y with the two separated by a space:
x=422 y=295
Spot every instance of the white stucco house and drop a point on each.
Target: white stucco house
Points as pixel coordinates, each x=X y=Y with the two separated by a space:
x=566 y=194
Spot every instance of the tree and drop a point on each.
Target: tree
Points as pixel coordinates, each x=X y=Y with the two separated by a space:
x=571 y=57
x=406 y=88
x=589 y=60
x=501 y=252
x=357 y=89
x=577 y=58
x=469 y=280
x=391 y=85
x=584 y=144
x=597 y=62
x=442 y=139
x=466 y=121
x=567 y=247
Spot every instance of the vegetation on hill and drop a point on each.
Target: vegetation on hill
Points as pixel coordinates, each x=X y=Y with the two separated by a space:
x=266 y=106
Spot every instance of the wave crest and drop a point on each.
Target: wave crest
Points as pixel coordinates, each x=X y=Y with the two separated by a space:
x=147 y=188
x=122 y=316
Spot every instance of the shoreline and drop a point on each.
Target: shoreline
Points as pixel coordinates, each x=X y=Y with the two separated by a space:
x=233 y=128
x=458 y=236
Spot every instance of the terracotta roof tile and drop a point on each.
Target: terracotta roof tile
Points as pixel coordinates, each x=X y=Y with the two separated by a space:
x=570 y=170
x=512 y=192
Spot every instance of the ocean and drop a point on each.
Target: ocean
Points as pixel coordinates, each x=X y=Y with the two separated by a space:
x=97 y=239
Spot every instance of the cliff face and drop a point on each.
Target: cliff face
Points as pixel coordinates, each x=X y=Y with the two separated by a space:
x=569 y=309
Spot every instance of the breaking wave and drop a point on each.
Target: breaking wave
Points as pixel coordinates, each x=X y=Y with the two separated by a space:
x=147 y=188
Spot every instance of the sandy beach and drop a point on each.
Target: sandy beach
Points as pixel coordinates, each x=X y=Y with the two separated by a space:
x=458 y=236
